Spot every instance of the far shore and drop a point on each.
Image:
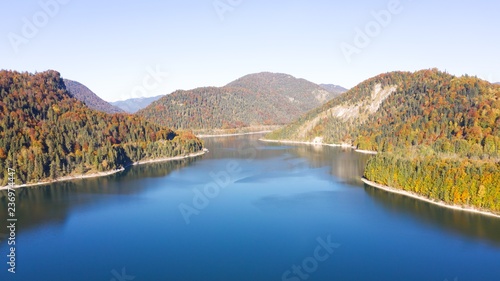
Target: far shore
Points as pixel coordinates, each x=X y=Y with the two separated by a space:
x=422 y=198
x=231 y=135
x=107 y=173
x=323 y=144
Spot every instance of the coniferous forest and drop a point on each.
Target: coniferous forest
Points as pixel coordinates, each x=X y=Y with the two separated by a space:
x=46 y=133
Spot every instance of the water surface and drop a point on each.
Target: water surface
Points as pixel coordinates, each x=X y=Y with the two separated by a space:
x=247 y=210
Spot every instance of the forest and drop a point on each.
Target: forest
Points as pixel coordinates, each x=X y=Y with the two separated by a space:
x=251 y=101
x=437 y=135
x=462 y=182
x=46 y=133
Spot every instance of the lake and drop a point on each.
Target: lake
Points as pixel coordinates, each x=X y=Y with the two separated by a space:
x=247 y=210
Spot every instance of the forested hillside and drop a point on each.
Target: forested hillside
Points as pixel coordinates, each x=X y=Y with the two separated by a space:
x=439 y=135
x=253 y=100
x=46 y=133
x=299 y=92
x=84 y=94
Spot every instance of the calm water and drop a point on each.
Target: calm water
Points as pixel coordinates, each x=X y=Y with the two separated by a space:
x=245 y=211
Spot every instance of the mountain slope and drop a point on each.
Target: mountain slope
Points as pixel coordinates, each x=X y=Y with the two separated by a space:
x=47 y=133
x=438 y=135
x=84 y=94
x=300 y=92
x=135 y=104
x=253 y=100
x=394 y=108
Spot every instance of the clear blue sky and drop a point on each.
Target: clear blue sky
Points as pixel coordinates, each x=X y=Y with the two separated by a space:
x=110 y=45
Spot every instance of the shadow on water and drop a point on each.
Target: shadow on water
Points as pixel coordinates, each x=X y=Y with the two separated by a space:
x=50 y=204
x=464 y=223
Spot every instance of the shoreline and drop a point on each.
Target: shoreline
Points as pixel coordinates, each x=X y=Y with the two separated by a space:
x=323 y=144
x=199 y=153
x=231 y=135
x=366 y=151
x=423 y=198
x=107 y=173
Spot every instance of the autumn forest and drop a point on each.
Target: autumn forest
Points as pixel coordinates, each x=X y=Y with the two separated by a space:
x=46 y=133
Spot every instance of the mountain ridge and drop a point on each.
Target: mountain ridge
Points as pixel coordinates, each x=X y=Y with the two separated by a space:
x=92 y=100
x=258 y=99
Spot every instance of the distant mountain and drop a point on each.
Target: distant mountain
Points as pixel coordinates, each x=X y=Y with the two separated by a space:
x=497 y=83
x=84 y=94
x=335 y=89
x=253 y=100
x=47 y=133
x=135 y=104
x=304 y=94
x=437 y=135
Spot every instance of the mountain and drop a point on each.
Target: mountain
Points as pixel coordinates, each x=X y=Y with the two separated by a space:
x=437 y=135
x=253 y=100
x=46 y=133
x=334 y=89
x=497 y=83
x=391 y=109
x=135 y=104
x=303 y=94
x=84 y=94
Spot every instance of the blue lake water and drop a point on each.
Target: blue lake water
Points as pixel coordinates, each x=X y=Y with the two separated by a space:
x=247 y=210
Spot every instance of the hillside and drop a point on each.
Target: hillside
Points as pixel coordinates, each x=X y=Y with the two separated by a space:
x=84 y=94
x=437 y=134
x=135 y=104
x=46 y=133
x=253 y=100
x=301 y=93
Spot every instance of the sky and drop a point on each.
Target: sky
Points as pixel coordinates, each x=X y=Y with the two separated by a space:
x=124 y=49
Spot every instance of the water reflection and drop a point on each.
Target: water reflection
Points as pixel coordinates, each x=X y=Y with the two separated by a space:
x=50 y=204
x=344 y=163
x=458 y=222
